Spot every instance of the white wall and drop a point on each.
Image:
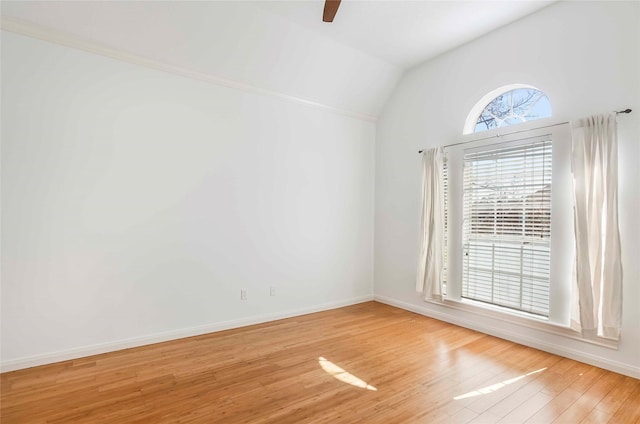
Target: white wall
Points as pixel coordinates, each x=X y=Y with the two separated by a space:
x=585 y=56
x=136 y=204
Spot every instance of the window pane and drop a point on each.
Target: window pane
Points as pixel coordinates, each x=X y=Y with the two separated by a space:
x=514 y=107
x=507 y=225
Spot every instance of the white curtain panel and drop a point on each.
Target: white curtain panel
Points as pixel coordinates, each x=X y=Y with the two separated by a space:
x=431 y=260
x=597 y=280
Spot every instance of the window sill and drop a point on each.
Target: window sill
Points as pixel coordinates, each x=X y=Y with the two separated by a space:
x=522 y=319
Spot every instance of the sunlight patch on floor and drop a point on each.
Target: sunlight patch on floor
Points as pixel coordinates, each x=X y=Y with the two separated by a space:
x=497 y=386
x=342 y=375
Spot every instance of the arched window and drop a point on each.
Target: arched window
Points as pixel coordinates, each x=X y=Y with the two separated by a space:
x=509 y=105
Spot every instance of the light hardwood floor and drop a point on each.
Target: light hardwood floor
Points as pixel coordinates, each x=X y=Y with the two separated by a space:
x=368 y=363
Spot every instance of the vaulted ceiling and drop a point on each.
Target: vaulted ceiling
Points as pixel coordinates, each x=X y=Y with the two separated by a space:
x=351 y=64
x=406 y=32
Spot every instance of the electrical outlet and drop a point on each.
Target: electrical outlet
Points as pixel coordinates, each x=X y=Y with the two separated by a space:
x=272 y=291
x=243 y=294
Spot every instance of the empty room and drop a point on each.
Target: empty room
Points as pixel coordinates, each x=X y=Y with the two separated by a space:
x=320 y=211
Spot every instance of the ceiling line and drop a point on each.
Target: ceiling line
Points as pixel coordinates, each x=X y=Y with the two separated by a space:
x=69 y=40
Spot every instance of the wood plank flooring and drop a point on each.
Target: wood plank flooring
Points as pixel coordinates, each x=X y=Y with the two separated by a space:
x=367 y=363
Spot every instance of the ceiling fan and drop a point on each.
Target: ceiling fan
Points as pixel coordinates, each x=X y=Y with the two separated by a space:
x=330 y=9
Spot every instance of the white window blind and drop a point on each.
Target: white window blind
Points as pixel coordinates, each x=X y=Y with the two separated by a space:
x=507 y=225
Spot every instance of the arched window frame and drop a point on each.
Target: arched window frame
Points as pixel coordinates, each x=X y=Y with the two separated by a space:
x=478 y=108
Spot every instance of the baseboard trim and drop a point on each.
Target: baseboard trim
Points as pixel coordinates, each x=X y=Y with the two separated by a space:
x=42 y=33
x=50 y=358
x=576 y=355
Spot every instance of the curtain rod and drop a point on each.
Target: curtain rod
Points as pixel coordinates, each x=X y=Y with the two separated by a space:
x=516 y=132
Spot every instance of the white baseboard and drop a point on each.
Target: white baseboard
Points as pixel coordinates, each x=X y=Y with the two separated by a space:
x=49 y=358
x=567 y=352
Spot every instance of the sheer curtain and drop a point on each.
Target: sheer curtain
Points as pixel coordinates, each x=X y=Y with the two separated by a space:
x=597 y=281
x=431 y=260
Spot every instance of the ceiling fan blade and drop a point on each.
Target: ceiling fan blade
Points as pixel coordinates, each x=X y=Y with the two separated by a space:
x=330 y=9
